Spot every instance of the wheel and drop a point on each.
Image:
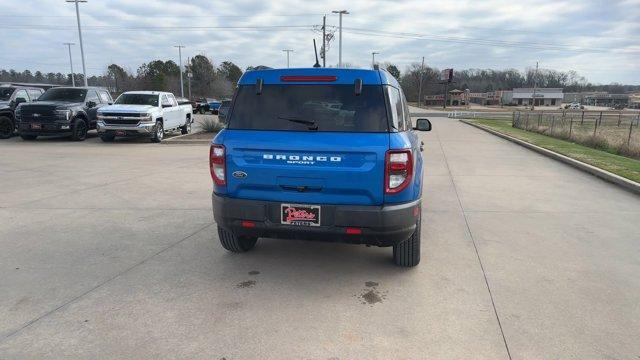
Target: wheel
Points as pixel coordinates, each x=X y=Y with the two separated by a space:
x=235 y=243
x=107 y=138
x=29 y=137
x=201 y=110
x=6 y=127
x=80 y=129
x=407 y=253
x=186 y=128
x=158 y=135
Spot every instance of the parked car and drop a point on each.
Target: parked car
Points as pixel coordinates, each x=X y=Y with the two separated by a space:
x=69 y=111
x=214 y=105
x=202 y=106
x=144 y=113
x=10 y=98
x=223 y=111
x=287 y=166
x=574 y=106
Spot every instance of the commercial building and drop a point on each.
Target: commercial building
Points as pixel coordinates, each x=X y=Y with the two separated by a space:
x=578 y=97
x=609 y=100
x=526 y=96
x=486 y=98
x=455 y=97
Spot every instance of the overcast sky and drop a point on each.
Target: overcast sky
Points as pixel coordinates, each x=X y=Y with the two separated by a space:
x=599 y=39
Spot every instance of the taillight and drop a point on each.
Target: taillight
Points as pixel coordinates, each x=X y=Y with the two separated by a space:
x=217 y=164
x=308 y=78
x=398 y=170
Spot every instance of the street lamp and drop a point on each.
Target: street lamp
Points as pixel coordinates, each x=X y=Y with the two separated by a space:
x=288 y=51
x=73 y=80
x=181 y=81
x=84 y=69
x=373 y=59
x=340 y=12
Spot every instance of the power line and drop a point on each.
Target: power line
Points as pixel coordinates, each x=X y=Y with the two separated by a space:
x=478 y=41
x=162 y=16
x=172 y=28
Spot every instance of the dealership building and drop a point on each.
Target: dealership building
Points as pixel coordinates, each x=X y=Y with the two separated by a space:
x=526 y=96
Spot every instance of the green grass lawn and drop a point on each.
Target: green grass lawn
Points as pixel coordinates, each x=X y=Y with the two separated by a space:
x=619 y=165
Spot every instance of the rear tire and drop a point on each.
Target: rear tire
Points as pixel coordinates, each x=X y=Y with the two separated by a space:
x=80 y=129
x=407 y=253
x=235 y=243
x=108 y=138
x=6 y=127
x=29 y=137
x=186 y=128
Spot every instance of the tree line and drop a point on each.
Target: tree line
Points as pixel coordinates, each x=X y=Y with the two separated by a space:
x=211 y=80
x=207 y=79
x=486 y=80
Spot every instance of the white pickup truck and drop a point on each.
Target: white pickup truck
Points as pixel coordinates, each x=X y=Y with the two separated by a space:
x=143 y=113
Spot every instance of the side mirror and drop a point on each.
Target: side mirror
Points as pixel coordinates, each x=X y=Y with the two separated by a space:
x=423 y=125
x=20 y=100
x=91 y=104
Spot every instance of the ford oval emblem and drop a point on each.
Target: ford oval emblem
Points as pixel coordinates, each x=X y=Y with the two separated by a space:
x=239 y=174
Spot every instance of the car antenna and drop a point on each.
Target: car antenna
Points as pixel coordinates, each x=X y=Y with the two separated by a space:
x=317 y=64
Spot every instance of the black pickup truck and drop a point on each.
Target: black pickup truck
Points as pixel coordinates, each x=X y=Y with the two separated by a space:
x=68 y=111
x=10 y=98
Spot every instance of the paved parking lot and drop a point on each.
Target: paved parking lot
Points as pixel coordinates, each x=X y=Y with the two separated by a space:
x=109 y=250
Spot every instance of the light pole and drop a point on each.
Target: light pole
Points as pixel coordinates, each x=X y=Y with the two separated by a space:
x=73 y=81
x=84 y=69
x=180 y=61
x=189 y=76
x=373 y=59
x=535 y=85
x=420 y=85
x=340 y=12
x=288 y=51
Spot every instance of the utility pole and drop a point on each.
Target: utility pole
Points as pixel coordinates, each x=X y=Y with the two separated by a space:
x=84 y=69
x=181 y=81
x=535 y=85
x=420 y=85
x=324 y=41
x=373 y=59
x=340 y=12
x=189 y=76
x=288 y=51
x=73 y=80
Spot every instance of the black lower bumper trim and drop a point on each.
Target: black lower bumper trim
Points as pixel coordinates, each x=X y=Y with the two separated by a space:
x=379 y=225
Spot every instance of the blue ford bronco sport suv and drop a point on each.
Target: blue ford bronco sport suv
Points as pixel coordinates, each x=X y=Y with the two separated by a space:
x=319 y=154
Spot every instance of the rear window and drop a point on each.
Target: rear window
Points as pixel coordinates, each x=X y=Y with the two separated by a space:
x=310 y=108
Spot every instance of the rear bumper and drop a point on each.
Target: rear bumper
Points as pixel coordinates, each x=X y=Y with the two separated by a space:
x=380 y=225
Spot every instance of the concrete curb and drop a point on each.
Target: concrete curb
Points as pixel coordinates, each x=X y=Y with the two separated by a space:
x=179 y=140
x=625 y=183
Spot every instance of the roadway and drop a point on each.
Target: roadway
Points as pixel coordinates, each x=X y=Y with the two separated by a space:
x=109 y=250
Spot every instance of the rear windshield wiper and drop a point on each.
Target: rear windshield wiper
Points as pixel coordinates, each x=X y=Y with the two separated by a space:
x=310 y=124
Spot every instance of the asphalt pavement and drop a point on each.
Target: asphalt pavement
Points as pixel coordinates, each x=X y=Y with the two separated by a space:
x=110 y=251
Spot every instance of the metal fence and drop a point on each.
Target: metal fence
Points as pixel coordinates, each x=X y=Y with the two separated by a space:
x=615 y=131
x=480 y=114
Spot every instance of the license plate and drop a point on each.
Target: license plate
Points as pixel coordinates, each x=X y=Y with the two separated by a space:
x=301 y=215
x=36 y=126
x=121 y=133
